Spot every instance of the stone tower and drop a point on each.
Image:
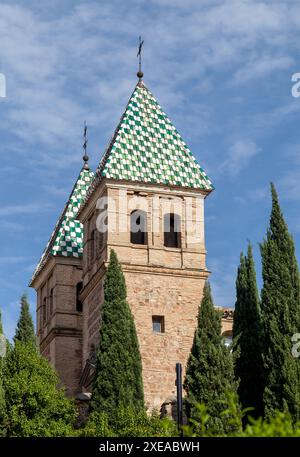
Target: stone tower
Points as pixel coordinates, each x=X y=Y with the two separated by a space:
x=58 y=282
x=145 y=201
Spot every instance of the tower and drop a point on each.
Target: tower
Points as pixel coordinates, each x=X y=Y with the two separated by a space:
x=58 y=282
x=147 y=203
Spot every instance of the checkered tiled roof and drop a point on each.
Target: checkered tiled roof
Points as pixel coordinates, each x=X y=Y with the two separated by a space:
x=67 y=237
x=146 y=147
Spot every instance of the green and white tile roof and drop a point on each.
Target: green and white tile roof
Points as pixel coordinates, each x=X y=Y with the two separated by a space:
x=147 y=148
x=67 y=237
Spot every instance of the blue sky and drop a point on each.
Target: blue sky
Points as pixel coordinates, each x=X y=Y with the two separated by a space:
x=222 y=72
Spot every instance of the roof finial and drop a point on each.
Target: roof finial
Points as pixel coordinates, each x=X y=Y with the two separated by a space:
x=85 y=156
x=140 y=74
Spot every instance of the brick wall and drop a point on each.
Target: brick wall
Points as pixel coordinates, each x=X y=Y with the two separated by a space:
x=160 y=281
x=59 y=324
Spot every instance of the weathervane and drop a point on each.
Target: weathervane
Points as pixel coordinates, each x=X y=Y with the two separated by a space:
x=140 y=74
x=85 y=157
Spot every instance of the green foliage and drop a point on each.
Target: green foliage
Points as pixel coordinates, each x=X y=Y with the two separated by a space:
x=118 y=378
x=280 y=424
x=280 y=316
x=35 y=406
x=25 y=328
x=209 y=373
x=247 y=337
x=129 y=422
x=198 y=424
x=201 y=425
x=31 y=404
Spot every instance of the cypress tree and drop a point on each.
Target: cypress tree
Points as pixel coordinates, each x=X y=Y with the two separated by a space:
x=209 y=376
x=118 y=377
x=241 y=288
x=247 y=337
x=280 y=316
x=25 y=328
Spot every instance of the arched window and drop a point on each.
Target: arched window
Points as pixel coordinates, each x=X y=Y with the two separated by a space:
x=138 y=227
x=79 y=286
x=172 y=231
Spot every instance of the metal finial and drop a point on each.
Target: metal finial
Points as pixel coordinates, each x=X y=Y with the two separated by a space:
x=140 y=74
x=85 y=156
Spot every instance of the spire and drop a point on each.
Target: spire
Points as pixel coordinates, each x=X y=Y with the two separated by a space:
x=146 y=147
x=140 y=74
x=85 y=156
x=67 y=237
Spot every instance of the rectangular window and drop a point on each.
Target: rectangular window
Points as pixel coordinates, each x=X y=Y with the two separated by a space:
x=172 y=231
x=79 y=287
x=92 y=245
x=44 y=311
x=158 y=324
x=51 y=301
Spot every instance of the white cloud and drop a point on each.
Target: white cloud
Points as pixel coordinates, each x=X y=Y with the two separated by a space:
x=223 y=281
x=261 y=193
x=239 y=155
x=12 y=259
x=9 y=323
x=289 y=180
x=290 y=184
x=28 y=208
x=260 y=67
x=275 y=116
x=10 y=314
x=57 y=191
x=210 y=218
x=57 y=67
x=12 y=226
x=30 y=268
x=79 y=63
